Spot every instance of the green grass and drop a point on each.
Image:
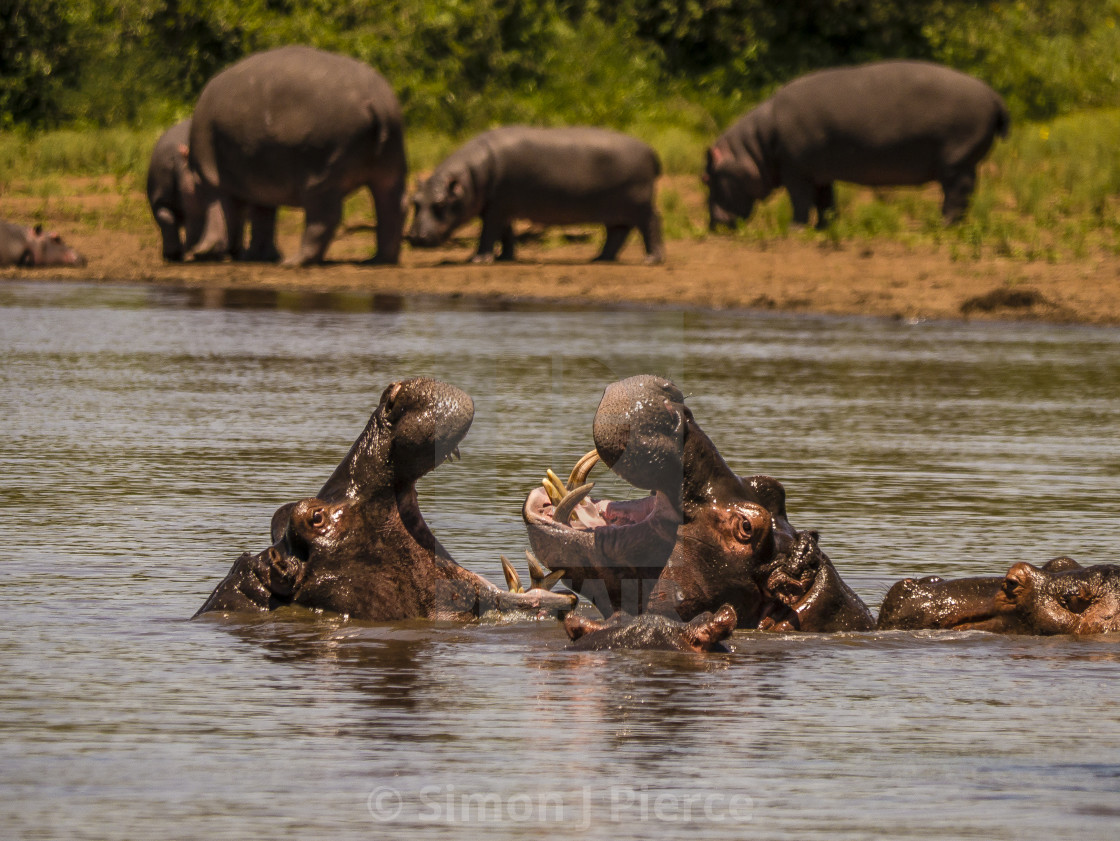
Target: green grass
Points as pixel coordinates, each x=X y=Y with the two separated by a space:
x=1050 y=192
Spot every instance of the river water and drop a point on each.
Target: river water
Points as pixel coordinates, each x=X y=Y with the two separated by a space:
x=149 y=434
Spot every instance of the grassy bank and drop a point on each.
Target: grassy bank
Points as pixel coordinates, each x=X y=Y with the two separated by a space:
x=1051 y=191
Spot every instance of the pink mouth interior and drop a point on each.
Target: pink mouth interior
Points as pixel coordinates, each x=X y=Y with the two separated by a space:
x=592 y=514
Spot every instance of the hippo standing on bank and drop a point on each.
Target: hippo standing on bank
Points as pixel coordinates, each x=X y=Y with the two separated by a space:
x=551 y=176
x=881 y=124
x=23 y=246
x=177 y=205
x=360 y=547
x=296 y=126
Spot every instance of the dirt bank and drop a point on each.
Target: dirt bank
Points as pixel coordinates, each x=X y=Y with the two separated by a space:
x=798 y=273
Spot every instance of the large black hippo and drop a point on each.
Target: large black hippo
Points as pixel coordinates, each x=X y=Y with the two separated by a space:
x=552 y=176
x=296 y=126
x=887 y=123
x=651 y=632
x=178 y=206
x=361 y=547
x=959 y=604
x=24 y=246
x=1069 y=600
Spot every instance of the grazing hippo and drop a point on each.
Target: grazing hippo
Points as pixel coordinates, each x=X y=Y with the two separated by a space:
x=959 y=604
x=299 y=127
x=697 y=543
x=888 y=123
x=22 y=246
x=551 y=176
x=1079 y=600
x=651 y=632
x=361 y=547
x=176 y=203
x=804 y=592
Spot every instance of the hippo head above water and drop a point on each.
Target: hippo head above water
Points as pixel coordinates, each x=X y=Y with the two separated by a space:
x=652 y=632
x=694 y=544
x=360 y=547
x=1067 y=600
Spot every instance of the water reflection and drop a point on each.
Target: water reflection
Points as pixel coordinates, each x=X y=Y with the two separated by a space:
x=150 y=434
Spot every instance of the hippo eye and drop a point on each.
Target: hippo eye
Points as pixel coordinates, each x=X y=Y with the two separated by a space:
x=318 y=519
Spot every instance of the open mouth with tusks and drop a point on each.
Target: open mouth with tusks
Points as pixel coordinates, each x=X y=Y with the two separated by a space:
x=610 y=552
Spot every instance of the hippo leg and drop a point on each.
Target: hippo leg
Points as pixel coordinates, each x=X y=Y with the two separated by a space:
x=802 y=194
x=652 y=238
x=235 y=212
x=169 y=231
x=262 y=237
x=494 y=226
x=388 y=204
x=213 y=243
x=958 y=187
x=322 y=213
x=616 y=238
x=509 y=245
x=825 y=200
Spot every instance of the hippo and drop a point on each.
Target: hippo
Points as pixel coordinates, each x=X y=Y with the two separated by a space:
x=551 y=176
x=697 y=543
x=959 y=604
x=296 y=126
x=360 y=547
x=881 y=124
x=651 y=632
x=23 y=246
x=1080 y=600
x=804 y=592
x=174 y=197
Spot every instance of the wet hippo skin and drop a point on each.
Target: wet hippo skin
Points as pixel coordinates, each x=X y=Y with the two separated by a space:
x=360 y=547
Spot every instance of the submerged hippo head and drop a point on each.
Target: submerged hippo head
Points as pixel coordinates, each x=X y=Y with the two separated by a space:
x=361 y=547
x=651 y=632
x=692 y=545
x=1081 y=600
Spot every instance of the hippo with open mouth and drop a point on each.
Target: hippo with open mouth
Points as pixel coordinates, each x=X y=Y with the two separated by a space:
x=704 y=537
x=360 y=547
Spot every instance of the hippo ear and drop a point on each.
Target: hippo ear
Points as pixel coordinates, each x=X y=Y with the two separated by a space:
x=576 y=626
x=184 y=151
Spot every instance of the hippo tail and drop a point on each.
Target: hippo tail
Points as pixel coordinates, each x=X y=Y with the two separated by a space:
x=1003 y=119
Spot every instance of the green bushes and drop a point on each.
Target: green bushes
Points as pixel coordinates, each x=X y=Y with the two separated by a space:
x=462 y=65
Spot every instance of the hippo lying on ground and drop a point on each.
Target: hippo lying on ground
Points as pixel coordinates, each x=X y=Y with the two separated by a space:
x=551 y=176
x=22 y=246
x=296 y=126
x=887 y=123
x=651 y=632
x=360 y=547
x=705 y=537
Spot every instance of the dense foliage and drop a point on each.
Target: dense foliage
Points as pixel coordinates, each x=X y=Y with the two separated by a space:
x=459 y=65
